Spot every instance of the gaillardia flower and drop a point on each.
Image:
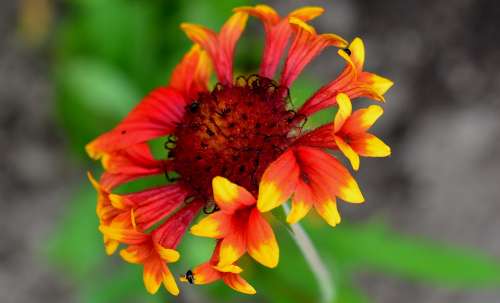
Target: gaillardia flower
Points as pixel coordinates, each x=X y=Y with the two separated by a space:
x=234 y=151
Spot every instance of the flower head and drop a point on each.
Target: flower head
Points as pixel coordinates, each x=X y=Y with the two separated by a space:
x=238 y=150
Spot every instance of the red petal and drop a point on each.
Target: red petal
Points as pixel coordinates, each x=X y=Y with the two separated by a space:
x=157 y=115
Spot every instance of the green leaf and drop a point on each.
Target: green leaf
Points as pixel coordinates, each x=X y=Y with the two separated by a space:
x=92 y=97
x=76 y=247
x=374 y=246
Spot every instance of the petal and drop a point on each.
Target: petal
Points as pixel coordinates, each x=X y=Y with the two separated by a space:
x=278 y=32
x=110 y=245
x=262 y=245
x=327 y=170
x=302 y=201
x=239 y=284
x=377 y=84
x=367 y=145
x=219 y=47
x=344 y=111
x=278 y=182
x=152 y=275
x=232 y=248
x=323 y=137
x=152 y=205
x=168 y=281
x=124 y=235
x=348 y=152
x=357 y=49
x=203 y=274
x=134 y=160
x=327 y=209
x=229 y=196
x=307 y=13
x=362 y=119
x=191 y=75
x=157 y=115
x=305 y=47
x=137 y=254
x=167 y=254
x=170 y=233
x=215 y=226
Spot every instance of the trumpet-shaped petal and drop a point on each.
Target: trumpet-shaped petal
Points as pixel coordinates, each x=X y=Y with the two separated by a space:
x=220 y=47
x=277 y=31
x=305 y=47
x=353 y=81
x=157 y=115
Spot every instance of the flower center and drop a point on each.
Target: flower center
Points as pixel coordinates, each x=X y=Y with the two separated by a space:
x=235 y=131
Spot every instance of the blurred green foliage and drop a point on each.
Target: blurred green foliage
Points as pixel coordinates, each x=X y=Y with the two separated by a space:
x=110 y=53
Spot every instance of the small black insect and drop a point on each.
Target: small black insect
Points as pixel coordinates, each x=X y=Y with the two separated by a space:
x=347 y=50
x=193 y=107
x=189 y=276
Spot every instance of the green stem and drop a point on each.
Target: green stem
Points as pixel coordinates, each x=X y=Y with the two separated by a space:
x=318 y=268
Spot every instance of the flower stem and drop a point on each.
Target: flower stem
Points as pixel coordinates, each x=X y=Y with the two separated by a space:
x=318 y=268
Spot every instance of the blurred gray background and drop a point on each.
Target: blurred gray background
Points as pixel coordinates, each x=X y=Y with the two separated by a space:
x=442 y=120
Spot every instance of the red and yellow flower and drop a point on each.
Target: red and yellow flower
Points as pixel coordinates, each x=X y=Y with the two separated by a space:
x=238 y=149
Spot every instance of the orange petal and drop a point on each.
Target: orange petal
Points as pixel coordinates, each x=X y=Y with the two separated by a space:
x=344 y=111
x=231 y=249
x=367 y=145
x=327 y=170
x=326 y=207
x=362 y=119
x=348 y=152
x=215 y=226
x=156 y=115
x=152 y=275
x=229 y=35
x=262 y=245
x=230 y=196
x=192 y=74
x=239 y=284
x=136 y=254
x=302 y=201
x=278 y=182
x=203 y=274
x=203 y=36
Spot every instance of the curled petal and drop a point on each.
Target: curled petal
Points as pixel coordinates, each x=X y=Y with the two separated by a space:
x=345 y=110
x=136 y=254
x=305 y=47
x=191 y=75
x=167 y=254
x=262 y=245
x=278 y=182
x=307 y=13
x=204 y=274
x=155 y=273
x=157 y=115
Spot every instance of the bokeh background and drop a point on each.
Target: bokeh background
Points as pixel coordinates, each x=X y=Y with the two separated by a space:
x=428 y=232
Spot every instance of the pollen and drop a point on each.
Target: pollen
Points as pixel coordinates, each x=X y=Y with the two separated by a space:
x=235 y=131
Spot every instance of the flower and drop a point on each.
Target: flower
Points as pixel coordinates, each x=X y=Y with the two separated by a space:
x=240 y=225
x=237 y=150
